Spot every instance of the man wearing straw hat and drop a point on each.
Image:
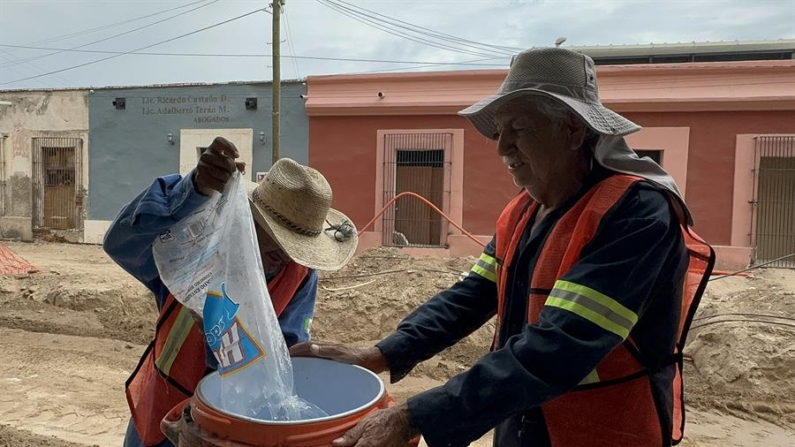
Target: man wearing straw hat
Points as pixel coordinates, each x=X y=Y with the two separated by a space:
x=298 y=233
x=593 y=273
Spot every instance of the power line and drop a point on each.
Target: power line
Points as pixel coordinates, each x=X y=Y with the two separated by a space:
x=9 y=55
x=290 y=43
x=421 y=31
x=116 y=35
x=137 y=49
x=238 y=55
x=99 y=28
x=436 y=34
x=658 y=85
x=644 y=85
x=37 y=69
x=438 y=64
x=395 y=30
x=30 y=67
x=392 y=29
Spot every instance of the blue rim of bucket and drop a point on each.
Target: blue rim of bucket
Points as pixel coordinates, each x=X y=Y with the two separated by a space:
x=381 y=391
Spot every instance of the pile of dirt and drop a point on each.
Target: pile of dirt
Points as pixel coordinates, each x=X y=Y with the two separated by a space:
x=12 y=437
x=72 y=386
x=743 y=367
x=365 y=301
x=741 y=350
x=92 y=297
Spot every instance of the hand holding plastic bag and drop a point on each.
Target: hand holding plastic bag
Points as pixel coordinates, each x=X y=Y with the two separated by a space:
x=210 y=262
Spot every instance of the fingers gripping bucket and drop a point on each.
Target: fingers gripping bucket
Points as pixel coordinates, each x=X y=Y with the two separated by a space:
x=346 y=393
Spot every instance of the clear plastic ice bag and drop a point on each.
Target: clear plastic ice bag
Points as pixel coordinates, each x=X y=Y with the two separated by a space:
x=210 y=261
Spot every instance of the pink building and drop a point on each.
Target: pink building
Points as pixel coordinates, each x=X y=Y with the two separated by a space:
x=724 y=130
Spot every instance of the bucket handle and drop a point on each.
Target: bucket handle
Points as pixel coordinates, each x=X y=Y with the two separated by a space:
x=178 y=427
x=215 y=419
x=174 y=422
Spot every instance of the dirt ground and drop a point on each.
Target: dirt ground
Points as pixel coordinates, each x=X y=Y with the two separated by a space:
x=72 y=334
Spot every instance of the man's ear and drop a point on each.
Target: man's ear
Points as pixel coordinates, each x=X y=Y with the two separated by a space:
x=577 y=131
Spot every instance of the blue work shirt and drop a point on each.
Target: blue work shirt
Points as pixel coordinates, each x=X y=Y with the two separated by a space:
x=168 y=200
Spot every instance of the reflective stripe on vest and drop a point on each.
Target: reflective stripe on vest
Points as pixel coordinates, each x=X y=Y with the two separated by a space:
x=176 y=337
x=598 y=412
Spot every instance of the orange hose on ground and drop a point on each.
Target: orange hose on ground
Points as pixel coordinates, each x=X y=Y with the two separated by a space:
x=469 y=235
x=427 y=202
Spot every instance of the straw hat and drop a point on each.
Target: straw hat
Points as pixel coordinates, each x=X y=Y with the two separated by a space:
x=293 y=204
x=564 y=75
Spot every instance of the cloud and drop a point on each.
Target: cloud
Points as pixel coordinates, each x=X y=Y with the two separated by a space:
x=316 y=30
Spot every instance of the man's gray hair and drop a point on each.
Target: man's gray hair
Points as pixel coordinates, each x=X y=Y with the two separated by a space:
x=559 y=114
x=554 y=110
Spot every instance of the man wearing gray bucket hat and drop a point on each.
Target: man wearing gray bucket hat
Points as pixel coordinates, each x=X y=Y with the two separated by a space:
x=594 y=275
x=298 y=233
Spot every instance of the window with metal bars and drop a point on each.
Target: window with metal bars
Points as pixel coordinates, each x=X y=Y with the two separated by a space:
x=416 y=163
x=57 y=188
x=774 y=233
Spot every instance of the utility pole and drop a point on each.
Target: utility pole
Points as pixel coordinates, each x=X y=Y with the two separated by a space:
x=277 y=83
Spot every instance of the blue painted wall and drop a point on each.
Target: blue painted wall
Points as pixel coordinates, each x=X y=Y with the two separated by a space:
x=129 y=148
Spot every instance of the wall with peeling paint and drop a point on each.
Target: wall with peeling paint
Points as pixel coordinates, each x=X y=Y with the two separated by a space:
x=33 y=114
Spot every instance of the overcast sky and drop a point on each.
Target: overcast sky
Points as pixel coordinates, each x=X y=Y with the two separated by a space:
x=479 y=32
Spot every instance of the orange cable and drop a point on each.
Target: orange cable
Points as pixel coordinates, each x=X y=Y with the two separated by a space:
x=427 y=202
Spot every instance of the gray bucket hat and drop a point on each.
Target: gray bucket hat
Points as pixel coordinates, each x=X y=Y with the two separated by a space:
x=563 y=75
x=569 y=77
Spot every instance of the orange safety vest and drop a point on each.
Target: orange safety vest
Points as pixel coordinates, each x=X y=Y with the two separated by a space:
x=174 y=362
x=614 y=405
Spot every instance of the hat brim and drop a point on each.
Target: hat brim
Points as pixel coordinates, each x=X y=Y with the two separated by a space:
x=321 y=252
x=598 y=117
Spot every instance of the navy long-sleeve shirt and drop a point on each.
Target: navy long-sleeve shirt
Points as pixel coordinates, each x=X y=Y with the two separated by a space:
x=637 y=257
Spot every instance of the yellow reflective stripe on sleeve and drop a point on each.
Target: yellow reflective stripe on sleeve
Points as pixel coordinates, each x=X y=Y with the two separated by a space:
x=592 y=377
x=594 y=306
x=484 y=273
x=176 y=337
x=486 y=267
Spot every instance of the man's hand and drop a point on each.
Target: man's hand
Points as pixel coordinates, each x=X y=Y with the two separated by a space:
x=383 y=428
x=216 y=166
x=369 y=358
